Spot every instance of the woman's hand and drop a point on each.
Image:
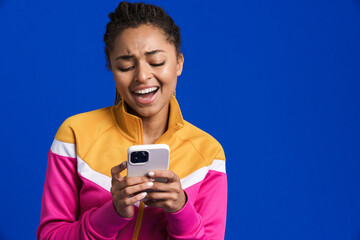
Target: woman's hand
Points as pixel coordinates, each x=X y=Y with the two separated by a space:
x=127 y=190
x=169 y=196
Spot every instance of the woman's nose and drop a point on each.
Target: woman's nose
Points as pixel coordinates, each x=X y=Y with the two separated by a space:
x=143 y=72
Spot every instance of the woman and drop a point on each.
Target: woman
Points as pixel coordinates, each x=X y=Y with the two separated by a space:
x=86 y=197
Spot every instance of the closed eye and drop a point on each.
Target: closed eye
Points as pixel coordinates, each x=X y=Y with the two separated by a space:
x=157 y=64
x=126 y=69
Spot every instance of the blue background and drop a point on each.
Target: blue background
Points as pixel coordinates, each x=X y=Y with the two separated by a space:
x=276 y=82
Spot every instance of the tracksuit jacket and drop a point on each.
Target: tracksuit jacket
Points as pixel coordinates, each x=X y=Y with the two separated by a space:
x=77 y=203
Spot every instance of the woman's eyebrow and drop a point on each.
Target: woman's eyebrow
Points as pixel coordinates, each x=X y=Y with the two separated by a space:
x=153 y=52
x=129 y=57
x=124 y=57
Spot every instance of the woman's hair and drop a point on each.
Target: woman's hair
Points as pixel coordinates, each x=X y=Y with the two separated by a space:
x=131 y=15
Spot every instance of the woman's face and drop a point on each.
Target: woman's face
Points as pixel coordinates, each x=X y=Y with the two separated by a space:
x=145 y=68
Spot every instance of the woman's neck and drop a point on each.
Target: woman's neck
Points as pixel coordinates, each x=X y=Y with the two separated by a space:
x=153 y=129
x=155 y=126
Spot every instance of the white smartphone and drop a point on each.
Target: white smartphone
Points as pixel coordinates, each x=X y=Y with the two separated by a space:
x=145 y=158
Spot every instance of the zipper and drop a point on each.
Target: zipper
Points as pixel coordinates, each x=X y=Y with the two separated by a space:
x=140 y=214
x=139 y=221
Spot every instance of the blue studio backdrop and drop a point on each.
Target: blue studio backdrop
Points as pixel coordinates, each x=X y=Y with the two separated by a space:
x=276 y=82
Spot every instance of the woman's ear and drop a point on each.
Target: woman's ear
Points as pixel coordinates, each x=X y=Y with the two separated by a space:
x=180 y=63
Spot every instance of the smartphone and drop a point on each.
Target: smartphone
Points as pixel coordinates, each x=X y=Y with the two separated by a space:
x=142 y=159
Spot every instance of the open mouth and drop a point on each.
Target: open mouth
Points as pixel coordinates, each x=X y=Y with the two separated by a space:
x=146 y=93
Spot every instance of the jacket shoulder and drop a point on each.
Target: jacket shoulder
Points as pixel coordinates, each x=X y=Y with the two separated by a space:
x=205 y=144
x=85 y=125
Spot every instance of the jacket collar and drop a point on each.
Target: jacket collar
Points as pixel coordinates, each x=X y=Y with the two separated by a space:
x=131 y=125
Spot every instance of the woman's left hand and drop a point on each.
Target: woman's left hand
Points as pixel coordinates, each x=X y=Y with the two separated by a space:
x=166 y=195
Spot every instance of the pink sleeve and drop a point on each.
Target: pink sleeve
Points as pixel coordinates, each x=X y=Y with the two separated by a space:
x=206 y=218
x=60 y=206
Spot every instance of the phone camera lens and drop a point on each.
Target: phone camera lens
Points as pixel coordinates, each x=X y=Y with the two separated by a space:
x=139 y=157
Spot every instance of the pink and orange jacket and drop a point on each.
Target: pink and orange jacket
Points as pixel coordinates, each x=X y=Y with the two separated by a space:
x=77 y=203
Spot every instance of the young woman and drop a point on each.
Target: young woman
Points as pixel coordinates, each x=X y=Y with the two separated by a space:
x=87 y=194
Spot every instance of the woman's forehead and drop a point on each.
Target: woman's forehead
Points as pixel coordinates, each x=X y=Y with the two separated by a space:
x=142 y=39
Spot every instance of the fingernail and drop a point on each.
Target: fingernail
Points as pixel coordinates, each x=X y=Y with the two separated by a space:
x=152 y=179
x=124 y=164
x=150 y=184
x=143 y=194
x=151 y=174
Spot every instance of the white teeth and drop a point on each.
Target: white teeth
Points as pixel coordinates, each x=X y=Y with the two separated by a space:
x=146 y=90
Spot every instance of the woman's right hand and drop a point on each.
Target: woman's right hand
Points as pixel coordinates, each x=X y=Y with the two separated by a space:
x=127 y=190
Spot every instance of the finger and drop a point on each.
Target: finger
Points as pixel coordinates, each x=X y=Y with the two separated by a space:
x=166 y=187
x=167 y=206
x=169 y=175
x=133 y=190
x=133 y=199
x=131 y=181
x=154 y=203
x=126 y=182
x=162 y=196
x=115 y=171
